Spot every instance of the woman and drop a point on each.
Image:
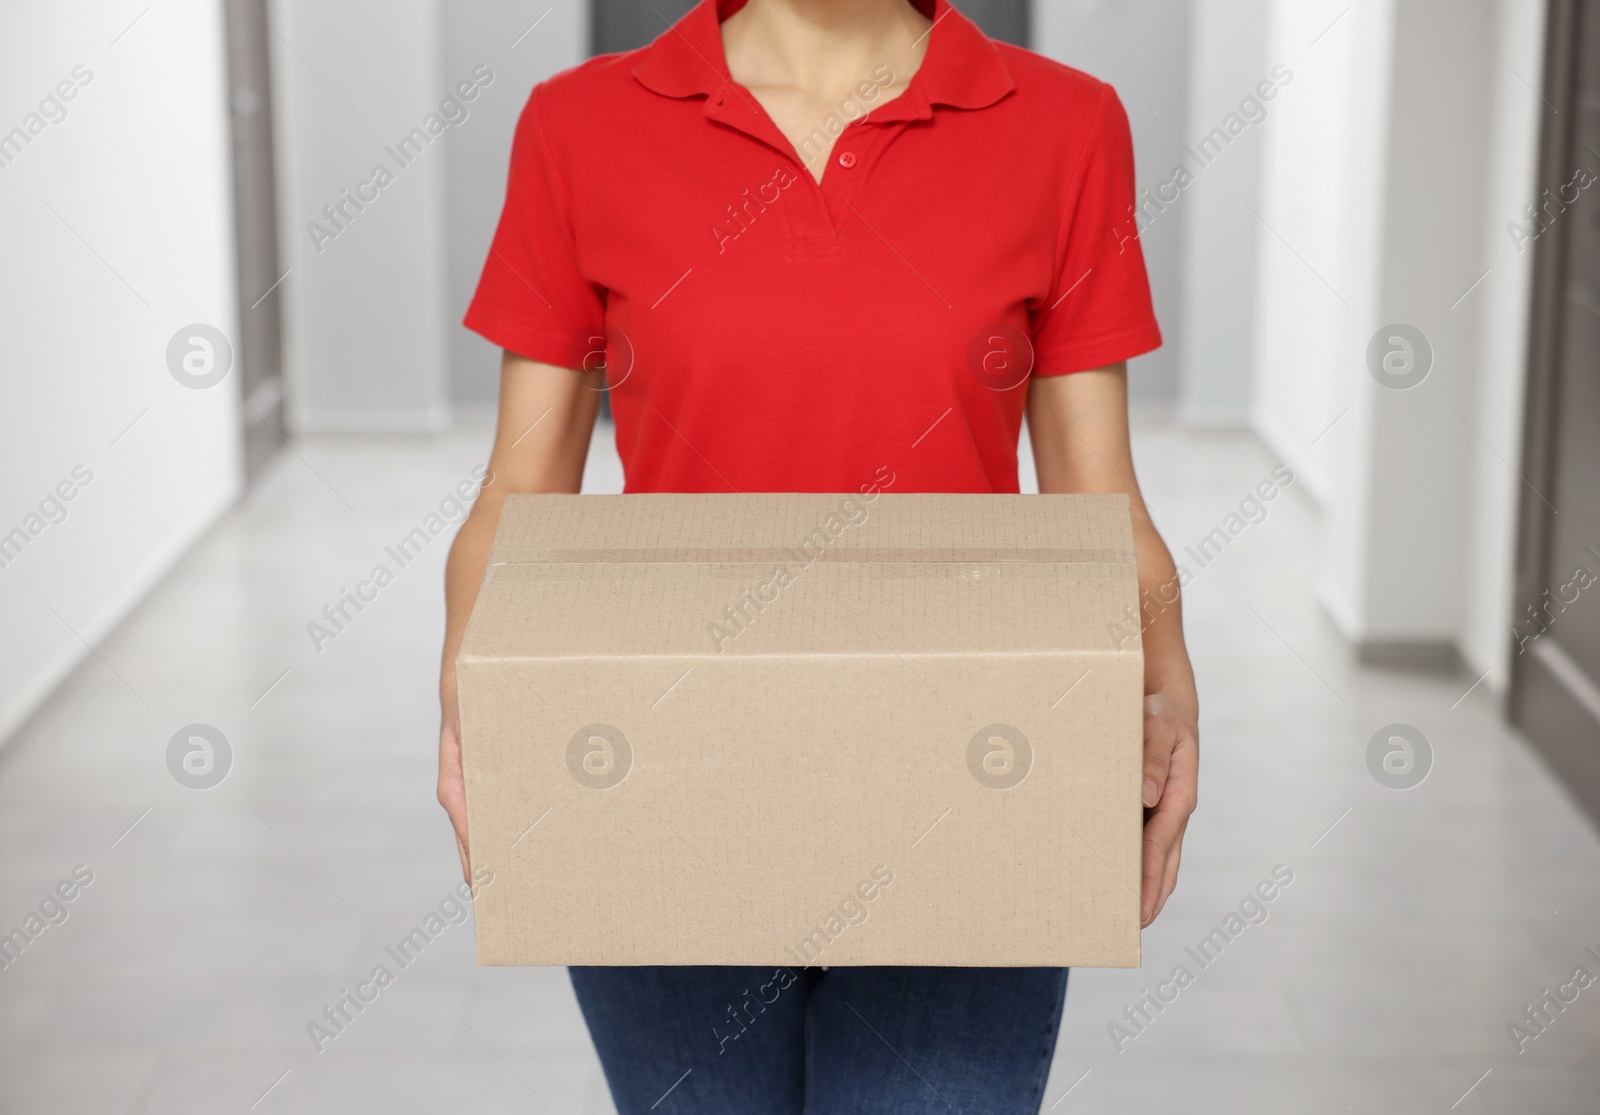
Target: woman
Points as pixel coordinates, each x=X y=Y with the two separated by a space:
x=816 y=240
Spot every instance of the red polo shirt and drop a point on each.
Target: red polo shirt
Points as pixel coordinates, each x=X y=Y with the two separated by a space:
x=763 y=332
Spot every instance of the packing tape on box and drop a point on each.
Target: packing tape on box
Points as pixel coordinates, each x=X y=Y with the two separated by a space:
x=767 y=555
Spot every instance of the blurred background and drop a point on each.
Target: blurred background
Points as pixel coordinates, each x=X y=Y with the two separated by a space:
x=224 y=400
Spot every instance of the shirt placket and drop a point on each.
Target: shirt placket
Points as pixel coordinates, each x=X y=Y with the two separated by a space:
x=816 y=211
x=853 y=157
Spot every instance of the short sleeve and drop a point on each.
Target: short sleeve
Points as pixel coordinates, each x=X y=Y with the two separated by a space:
x=1099 y=308
x=532 y=297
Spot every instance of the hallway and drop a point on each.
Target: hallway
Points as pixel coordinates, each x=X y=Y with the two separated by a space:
x=1416 y=926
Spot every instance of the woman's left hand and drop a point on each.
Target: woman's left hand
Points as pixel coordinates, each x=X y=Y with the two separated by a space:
x=1171 y=779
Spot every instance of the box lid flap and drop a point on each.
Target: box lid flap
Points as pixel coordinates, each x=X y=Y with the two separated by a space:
x=757 y=527
x=800 y=573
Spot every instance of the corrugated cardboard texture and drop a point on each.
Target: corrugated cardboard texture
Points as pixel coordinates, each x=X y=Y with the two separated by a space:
x=806 y=729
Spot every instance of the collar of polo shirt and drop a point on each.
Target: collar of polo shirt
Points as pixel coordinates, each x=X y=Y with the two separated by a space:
x=961 y=69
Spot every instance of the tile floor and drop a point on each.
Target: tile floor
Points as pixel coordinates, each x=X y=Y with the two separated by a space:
x=1419 y=922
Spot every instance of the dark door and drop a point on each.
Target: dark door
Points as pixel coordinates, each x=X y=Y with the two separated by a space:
x=1555 y=694
x=625 y=24
x=258 y=349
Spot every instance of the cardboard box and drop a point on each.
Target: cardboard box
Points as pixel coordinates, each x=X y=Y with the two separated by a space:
x=807 y=729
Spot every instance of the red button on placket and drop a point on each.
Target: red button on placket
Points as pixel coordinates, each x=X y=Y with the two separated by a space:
x=847 y=159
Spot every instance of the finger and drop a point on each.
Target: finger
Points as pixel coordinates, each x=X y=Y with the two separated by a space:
x=455 y=806
x=1177 y=805
x=1183 y=771
x=452 y=791
x=1169 y=880
x=457 y=811
x=1160 y=740
x=453 y=799
x=1152 y=852
x=1159 y=832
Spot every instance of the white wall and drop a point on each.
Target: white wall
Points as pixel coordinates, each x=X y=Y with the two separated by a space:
x=373 y=335
x=365 y=312
x=1141 y=48
x=1386 y=194
x=1327 y=148
x=1228 y=60
x=495 y=33
x=1515 y=113
x=117 y=226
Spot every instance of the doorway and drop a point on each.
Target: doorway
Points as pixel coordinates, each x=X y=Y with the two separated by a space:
x=1555 y=686
x=259 y=346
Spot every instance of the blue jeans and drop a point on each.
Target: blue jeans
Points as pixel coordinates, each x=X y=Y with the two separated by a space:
x=846 y=1041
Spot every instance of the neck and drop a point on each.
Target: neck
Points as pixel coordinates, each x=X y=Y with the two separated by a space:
x=821 y=44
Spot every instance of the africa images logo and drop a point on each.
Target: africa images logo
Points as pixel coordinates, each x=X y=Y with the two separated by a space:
x=599 y=756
